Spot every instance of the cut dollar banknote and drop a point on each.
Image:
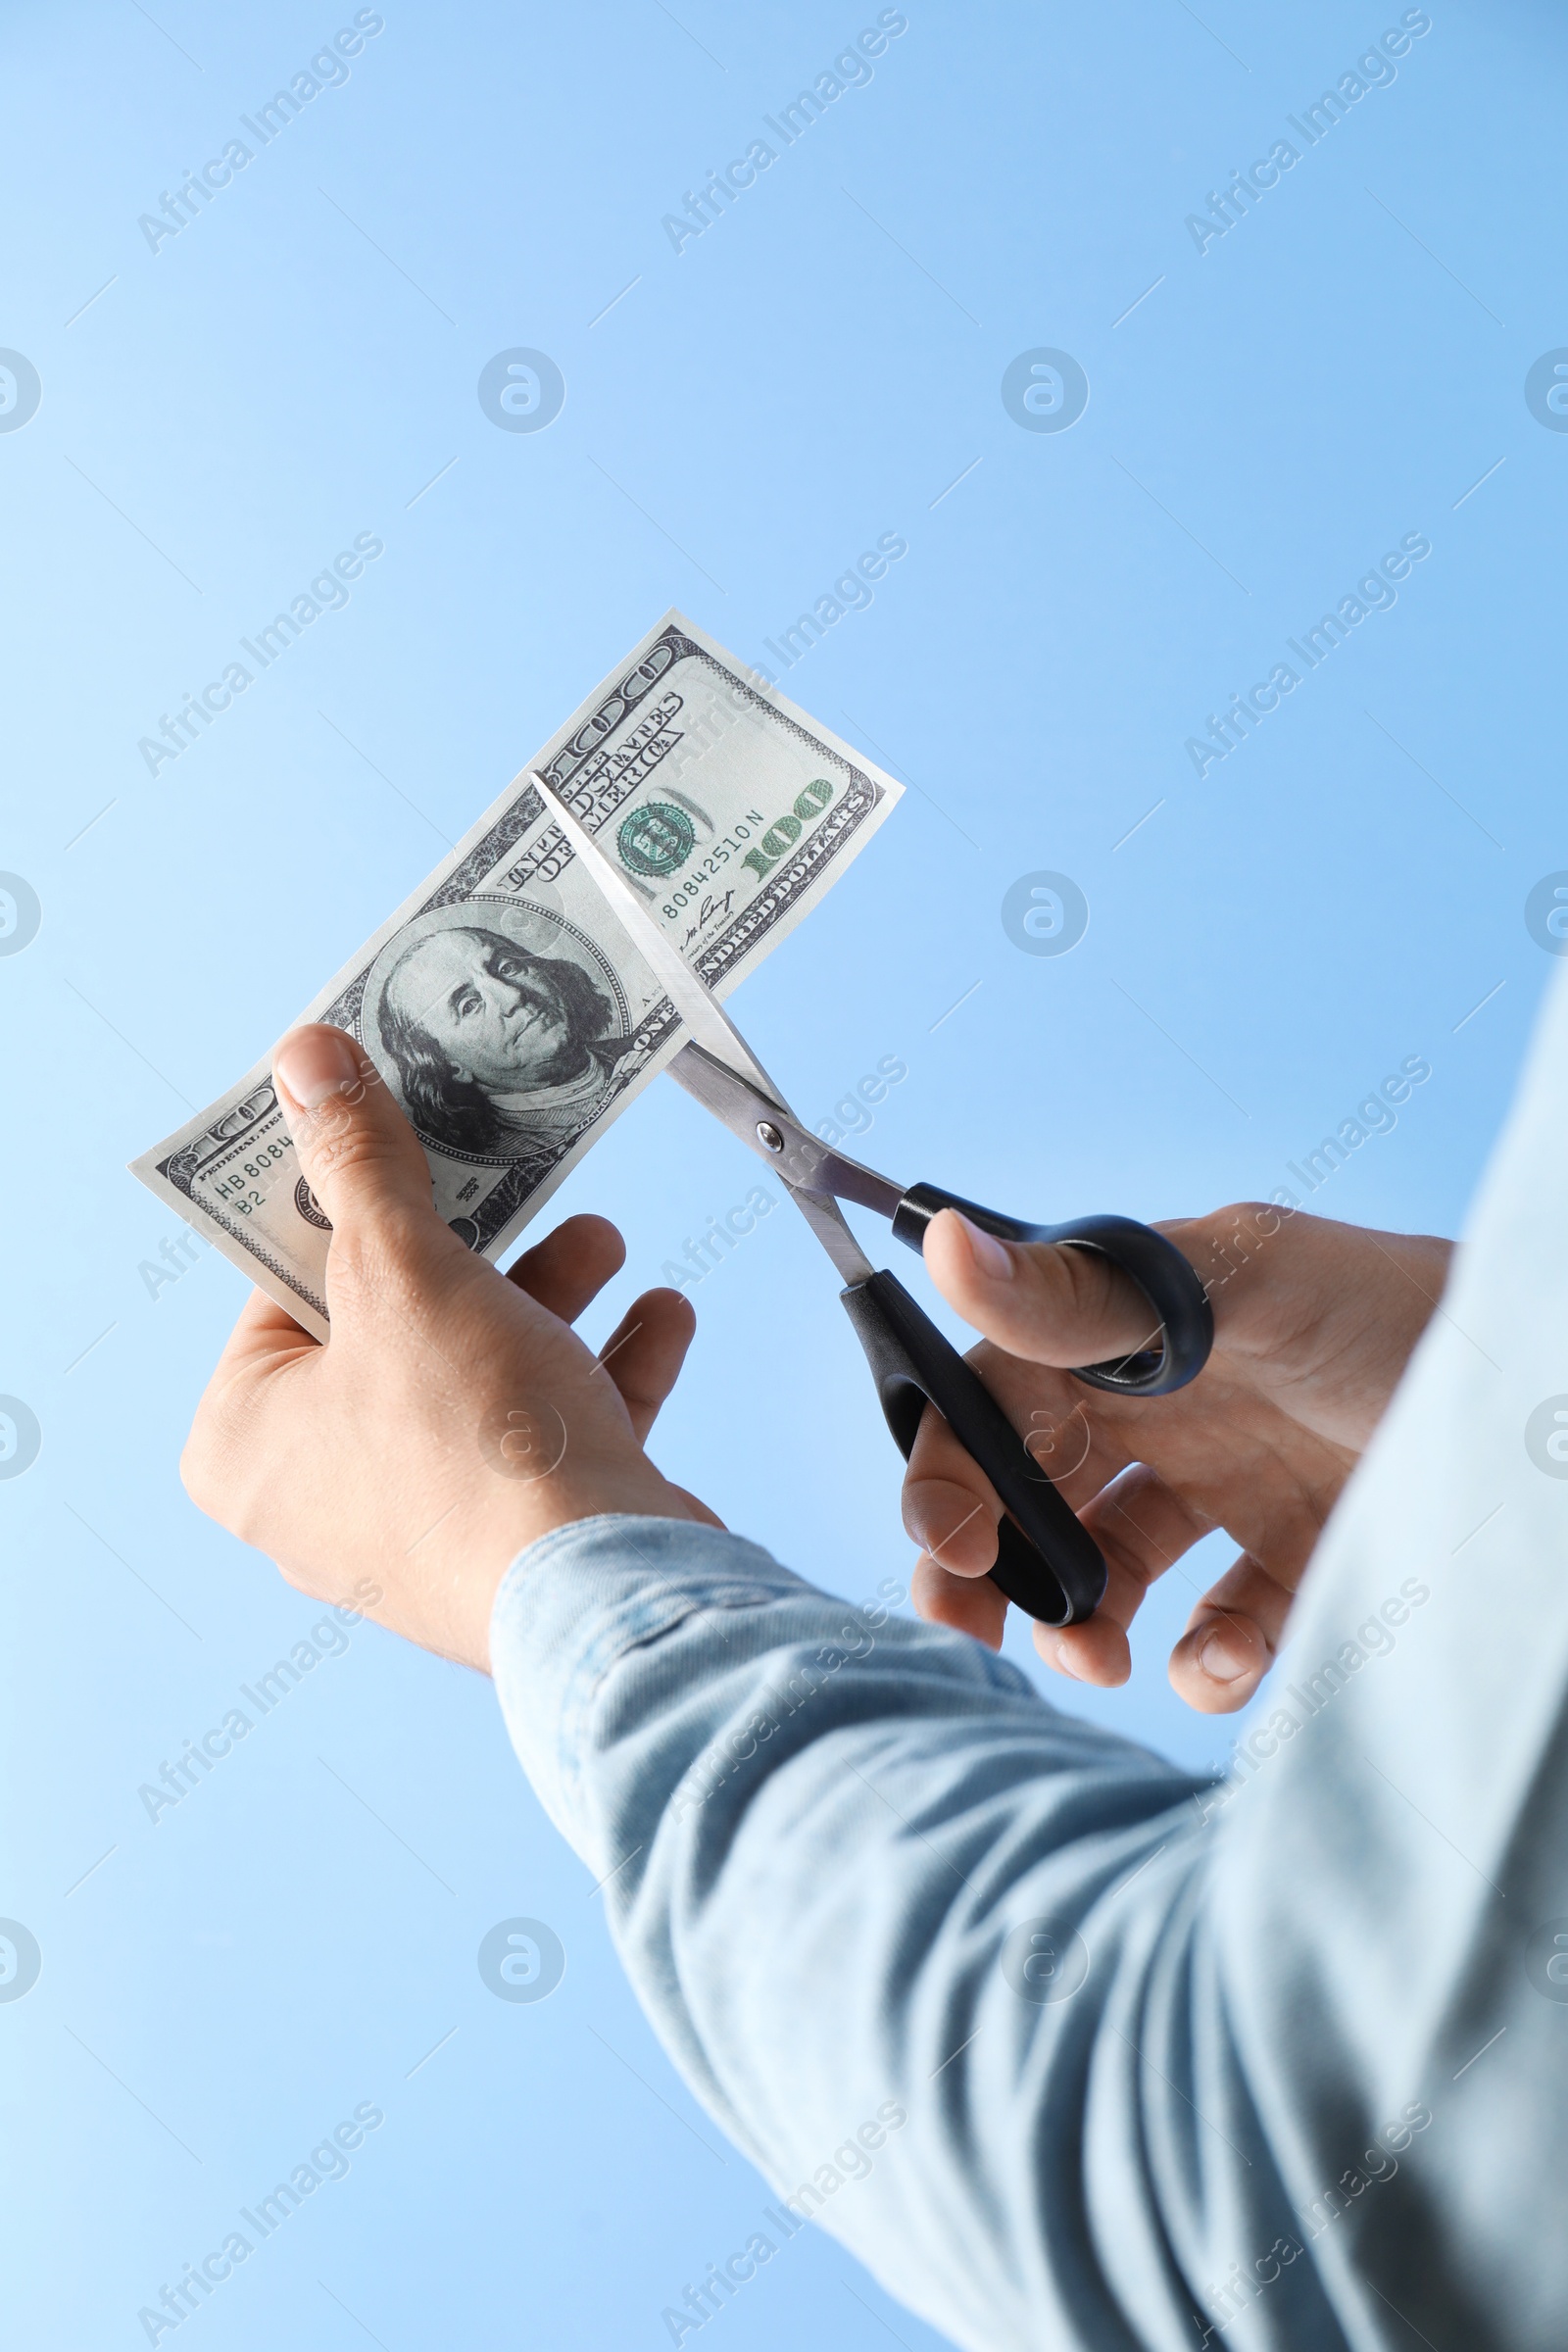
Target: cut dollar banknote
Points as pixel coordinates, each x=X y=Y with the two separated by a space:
x=502 y=1003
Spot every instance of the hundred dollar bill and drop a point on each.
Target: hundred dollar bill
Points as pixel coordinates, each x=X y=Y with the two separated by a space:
x=502 y=1005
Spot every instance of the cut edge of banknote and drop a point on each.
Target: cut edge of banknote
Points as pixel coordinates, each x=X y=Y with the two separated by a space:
x=166 y=1168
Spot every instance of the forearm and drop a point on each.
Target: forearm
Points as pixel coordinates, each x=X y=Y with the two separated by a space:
x=818 y=1831
x=1394 y=1846
x=1308 y=2086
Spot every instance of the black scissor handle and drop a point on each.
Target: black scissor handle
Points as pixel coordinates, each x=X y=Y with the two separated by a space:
x=1177 y=1298
x=1047 y=1561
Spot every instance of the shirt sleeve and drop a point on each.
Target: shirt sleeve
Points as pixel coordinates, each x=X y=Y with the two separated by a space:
x=1067 y=2045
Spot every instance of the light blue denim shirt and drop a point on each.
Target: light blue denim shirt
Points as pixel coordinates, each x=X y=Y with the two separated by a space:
x=1069 y=2048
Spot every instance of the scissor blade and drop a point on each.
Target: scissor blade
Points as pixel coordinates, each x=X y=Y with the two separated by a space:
x=701 y=1012
x=724 y=1049
x=827 y=1222
x=805 y=1162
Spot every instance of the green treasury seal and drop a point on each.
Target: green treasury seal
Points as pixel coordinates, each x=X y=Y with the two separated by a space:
x=655 y=839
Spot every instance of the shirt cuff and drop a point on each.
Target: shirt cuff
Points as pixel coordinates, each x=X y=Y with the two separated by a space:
x=576 y=1602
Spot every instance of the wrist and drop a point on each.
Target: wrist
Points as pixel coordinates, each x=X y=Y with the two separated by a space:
x=557 y=1501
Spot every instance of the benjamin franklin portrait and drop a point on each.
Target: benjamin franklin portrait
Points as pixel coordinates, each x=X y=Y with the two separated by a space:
x=504 y=1040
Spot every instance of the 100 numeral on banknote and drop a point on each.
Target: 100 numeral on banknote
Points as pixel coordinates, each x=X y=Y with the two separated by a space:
x=502 y=1003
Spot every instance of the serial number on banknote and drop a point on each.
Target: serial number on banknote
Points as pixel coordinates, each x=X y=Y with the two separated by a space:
x=237 y=1191
x=776 y=842
x=712 y=863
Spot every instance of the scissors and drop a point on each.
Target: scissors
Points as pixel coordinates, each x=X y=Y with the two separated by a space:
x=1047 y=1562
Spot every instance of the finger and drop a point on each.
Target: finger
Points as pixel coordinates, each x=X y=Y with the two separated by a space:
x=567 y=1271
x=359 y=1156
x=265 y=1340
x=970 y=1604
x=950 y=1508
x=1047 y=1304
x=265 y=1334
x=1142 y=1527
x=944 y=1484
x=1230 y=1638
x=644 y=1353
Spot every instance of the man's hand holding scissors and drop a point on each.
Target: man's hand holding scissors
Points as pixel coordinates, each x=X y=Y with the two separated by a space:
x=1313 y=1325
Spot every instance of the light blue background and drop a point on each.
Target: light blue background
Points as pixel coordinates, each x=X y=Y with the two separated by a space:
x=814 y=370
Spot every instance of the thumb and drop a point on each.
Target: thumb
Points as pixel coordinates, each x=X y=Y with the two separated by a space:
x=1043 y=1301
x=359 y=1156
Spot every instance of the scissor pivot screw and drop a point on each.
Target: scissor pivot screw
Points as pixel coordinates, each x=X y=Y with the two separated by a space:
x=769 y=1134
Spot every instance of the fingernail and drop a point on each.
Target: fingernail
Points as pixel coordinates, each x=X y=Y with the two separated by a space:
x=1217 y=1659
x=315 y=1064
x=992 y=1256
x=1065 y=1662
